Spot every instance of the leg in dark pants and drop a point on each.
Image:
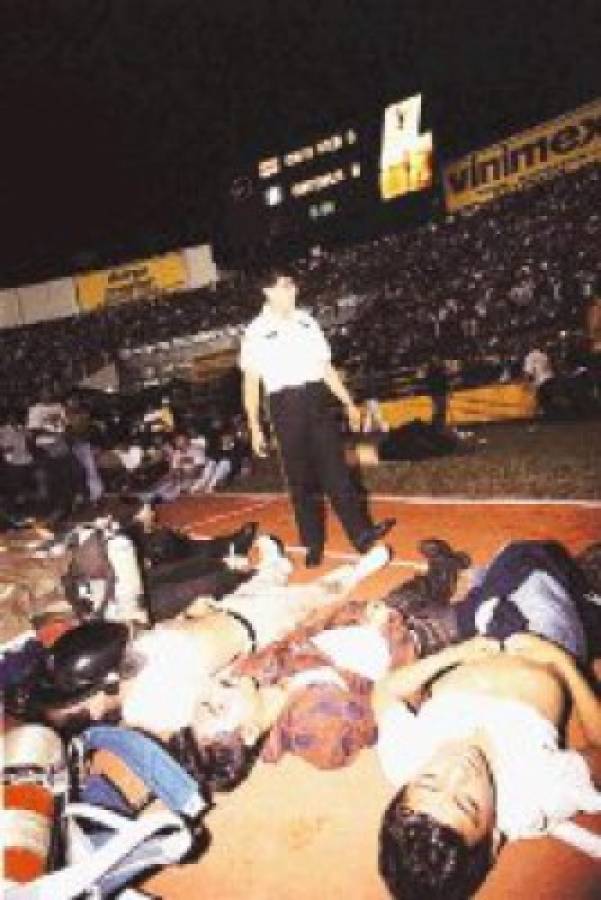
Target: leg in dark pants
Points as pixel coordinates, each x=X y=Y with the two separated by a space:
x=291 y=420
x=328 y=461
x=313 y=458
x=169 y=594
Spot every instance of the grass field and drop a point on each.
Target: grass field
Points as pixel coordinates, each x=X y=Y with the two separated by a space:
x=551 y=460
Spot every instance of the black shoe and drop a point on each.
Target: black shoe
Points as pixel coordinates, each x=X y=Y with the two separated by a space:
x=369 y=537
x=435 y=549
x=243 y=539
x=314 y=557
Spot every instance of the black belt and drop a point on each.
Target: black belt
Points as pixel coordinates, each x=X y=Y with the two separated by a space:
x=296 y=388
x=252 y=634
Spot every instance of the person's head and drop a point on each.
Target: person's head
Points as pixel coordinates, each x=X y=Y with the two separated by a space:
x=225 y=760
x=231 y=706
x=438 y=838
x=101 y=707
x=280 y=292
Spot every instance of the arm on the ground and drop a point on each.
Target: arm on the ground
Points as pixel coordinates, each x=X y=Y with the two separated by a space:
x=338 y=613
x=586 y=703
x=405 y=682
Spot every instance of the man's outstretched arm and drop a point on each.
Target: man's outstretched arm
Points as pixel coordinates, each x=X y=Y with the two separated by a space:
x=405 y=682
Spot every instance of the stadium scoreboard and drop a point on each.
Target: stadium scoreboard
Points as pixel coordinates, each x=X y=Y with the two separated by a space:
x=334 y=178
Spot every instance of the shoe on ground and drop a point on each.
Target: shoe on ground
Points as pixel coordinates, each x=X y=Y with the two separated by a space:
x=437 y=550
x=374 y=534
x=244 y=538
x=314 y=557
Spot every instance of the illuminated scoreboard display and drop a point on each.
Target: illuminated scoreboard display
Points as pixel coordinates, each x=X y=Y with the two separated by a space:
x=306 y=173
x=335 y=176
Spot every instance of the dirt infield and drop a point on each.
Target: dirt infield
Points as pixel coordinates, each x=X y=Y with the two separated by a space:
x=291 y=832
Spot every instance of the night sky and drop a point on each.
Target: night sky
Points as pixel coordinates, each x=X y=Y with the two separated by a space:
x=123 y=120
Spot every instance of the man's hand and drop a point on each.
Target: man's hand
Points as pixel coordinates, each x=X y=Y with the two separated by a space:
x=404 y=682
x=258 y=443
x=354 y=417
x=477 y=648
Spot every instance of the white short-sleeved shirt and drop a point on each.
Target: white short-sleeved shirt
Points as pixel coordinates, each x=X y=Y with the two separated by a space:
x=358 y=648
x=537 y=785
x=284 y=352
x=538 y=366
x=163 y=694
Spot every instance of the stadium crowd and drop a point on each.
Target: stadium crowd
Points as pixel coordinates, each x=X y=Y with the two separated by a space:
x=480 y=291
x=62 y=456
x=478 y=288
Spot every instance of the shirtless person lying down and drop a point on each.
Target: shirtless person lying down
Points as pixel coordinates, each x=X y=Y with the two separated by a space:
x=480 y=760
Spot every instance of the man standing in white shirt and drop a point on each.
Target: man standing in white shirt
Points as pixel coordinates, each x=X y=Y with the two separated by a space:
x=284 y=350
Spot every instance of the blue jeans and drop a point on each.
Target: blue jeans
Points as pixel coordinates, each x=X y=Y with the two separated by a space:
x=149 y=761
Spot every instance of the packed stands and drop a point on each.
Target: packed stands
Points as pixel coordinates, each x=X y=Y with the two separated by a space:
x=478 y=288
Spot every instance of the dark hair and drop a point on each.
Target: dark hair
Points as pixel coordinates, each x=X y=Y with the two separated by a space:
x=269 y=276
x=422 y=859
x=225 y=760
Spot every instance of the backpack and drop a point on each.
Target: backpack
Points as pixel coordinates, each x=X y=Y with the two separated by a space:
x=107 y=842
x=103 y=580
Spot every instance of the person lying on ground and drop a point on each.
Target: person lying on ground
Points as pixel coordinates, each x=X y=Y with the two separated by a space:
x=173 y=566
x=537 y=586
x=156 y=680
x=309 y=693
x=534 y=586
x=177 y=568
x=480 y=759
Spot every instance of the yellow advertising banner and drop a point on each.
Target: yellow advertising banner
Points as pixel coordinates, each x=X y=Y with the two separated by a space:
x=491 y=403
x=561 y=144
x=140 y=279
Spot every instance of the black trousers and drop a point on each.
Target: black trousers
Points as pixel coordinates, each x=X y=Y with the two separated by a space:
x=178 y=569
x=172 y=589
x=313 y=462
